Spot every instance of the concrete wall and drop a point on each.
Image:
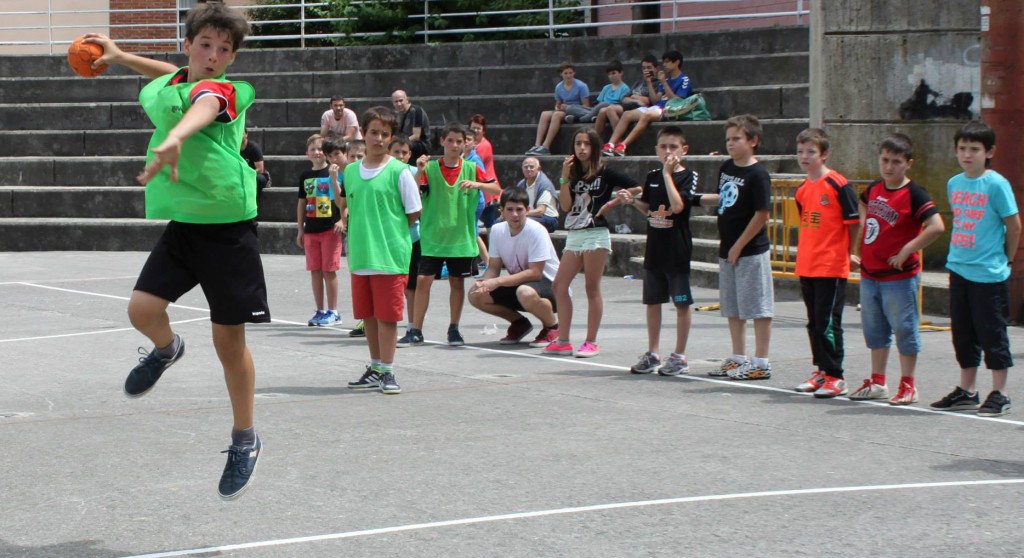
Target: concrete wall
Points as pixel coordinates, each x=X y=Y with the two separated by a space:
x=867 y=57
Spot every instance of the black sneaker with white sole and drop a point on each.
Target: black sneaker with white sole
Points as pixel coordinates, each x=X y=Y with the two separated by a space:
x=240 y=469
x=151 y=366
x=412 y=338
x=995 y=405
x=957 y=400
x=369 y=380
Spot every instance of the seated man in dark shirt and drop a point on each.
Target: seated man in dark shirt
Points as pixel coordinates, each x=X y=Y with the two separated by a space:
x=253 y=154
x=413 y=122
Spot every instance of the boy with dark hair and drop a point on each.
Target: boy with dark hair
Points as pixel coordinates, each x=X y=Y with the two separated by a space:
x=611 y=94
x=523 y=247
x=319 y=232
x=672 y=82
x=356 y=150
x=448 y=233
x=892 y=212
x=744 y=263
x=383 y=202
x=210 y=240
x=986 y=231
x=572 y=101
x=829 y=222
x=666 y=199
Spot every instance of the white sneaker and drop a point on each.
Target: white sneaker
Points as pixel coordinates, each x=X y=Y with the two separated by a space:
x=730 y=367
x=870 y=390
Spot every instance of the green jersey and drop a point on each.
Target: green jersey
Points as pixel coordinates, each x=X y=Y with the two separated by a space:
x=448 y=223
x=378 y=229
x=215 y=184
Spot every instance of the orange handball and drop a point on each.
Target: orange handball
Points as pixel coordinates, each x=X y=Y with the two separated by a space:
x=82 y=55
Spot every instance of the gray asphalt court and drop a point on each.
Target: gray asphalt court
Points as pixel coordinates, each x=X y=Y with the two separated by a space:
x=489 y=451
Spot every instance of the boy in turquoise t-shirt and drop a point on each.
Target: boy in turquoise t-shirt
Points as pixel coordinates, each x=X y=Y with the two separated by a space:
x=448 y=227
x=210 y=200
x=986 y=231
x=383 y=202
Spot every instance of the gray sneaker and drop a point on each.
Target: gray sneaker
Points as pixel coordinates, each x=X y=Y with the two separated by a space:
x=674 y=366
x=729 y=366
x=389 y=385
x=648 y=363
x=541 y=150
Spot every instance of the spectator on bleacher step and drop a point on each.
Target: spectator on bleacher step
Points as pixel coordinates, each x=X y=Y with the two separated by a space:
x=253 y=154
x=611 y=94
x=542 y=194
x=413 y=122
x=340 y=120
x=672 y=82
x=639 y=96
x=572 y=101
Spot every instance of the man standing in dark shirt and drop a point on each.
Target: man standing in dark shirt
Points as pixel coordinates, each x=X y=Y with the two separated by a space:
x=413 y=122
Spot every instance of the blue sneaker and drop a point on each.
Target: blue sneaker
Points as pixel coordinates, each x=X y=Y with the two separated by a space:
x=329 y=318
x=444 y=271
x=144 y=376
x=239 y=470
x=315 y=320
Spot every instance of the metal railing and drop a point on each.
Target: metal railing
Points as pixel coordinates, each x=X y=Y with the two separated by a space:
x=590 y=16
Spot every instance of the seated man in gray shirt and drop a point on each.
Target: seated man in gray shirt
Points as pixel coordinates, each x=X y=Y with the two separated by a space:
x=543 y=202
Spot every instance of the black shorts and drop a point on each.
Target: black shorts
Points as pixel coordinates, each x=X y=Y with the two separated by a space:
x=662 y=286
x=414 y=266
x=457 y=267
x=224 y=259
x=506 y=296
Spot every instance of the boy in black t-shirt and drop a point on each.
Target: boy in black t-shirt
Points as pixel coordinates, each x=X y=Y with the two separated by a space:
x=744 y=263
x=319 y=232
x=666 y=199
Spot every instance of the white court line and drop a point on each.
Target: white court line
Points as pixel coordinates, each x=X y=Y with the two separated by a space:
x=68 y=280
x=116 y=297
x=563 y=511
x=747 y=385
x=92 y=332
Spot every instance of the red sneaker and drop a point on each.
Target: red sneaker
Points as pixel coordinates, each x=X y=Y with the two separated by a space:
x=812 y=384
x=516 y=332
x=545 y=337
x=833 y=387
x=558 y=348
x=906 y=395
x=620 y=150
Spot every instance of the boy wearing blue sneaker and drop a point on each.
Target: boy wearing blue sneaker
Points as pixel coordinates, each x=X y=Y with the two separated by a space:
x=320 y=232
x=210 y=201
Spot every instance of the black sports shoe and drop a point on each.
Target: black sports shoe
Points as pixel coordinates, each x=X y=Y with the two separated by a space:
x=454 y=337
x=369 y=379
x=412 y=338
x=958 y=400
x=144 y=376
x=995 y=405
x=388 y=384
x=359 y=330
x=239 y=470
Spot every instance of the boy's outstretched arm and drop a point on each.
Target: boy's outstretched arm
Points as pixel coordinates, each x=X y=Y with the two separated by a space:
x=112 y=54
x=197 y=117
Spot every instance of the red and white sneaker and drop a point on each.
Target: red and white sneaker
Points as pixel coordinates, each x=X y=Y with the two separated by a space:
x=608 y=150
x=812 y=384
x=545 y=337
x=620 y=150
x=906 y=395
x=558 y=348
x=833 y=387
x=870 y=390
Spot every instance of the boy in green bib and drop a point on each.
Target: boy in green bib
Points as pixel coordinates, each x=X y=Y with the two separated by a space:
x=382 y=202
x=196 y=179
x=448 y=227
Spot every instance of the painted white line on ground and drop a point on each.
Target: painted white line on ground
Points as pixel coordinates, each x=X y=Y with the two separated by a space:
x=564 y=511
x=68 y=280
x=742 y=384
x=92 y=332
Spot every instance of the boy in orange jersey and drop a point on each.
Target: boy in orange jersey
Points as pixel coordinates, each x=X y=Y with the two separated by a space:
x=829 y=225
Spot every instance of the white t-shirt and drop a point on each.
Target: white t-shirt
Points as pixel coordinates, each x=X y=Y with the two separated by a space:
x=348 y=120
x=532 y=244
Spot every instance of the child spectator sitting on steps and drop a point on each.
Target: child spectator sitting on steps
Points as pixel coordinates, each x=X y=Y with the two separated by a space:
x=611 y=94
x=672 y=82
x=572 y=101
x=639 y=96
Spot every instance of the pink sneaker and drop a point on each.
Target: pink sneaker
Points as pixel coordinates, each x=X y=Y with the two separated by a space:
x=587 y=350
x=556 y=347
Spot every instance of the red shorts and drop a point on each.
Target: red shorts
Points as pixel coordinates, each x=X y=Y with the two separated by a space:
x=379 y=296
x=323 y=251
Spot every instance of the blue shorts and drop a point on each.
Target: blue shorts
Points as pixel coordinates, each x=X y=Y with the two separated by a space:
x=887 y=307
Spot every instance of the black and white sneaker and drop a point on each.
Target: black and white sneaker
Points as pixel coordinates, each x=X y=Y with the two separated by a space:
x=454 y=337
x=995 y=405
x=389 y=385
x=240 y=469
x=958 y=400
x=151 y=366
x=412 y=338
x=370 y=379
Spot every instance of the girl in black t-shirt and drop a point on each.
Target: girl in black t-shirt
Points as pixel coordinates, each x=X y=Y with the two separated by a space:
x=586 y=188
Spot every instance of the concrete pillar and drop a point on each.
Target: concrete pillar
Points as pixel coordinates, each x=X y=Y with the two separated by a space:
x=868 y=57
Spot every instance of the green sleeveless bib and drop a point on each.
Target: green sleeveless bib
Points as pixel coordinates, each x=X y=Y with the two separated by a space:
x=378 y=229
x=448 y=223
x=215 y=184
